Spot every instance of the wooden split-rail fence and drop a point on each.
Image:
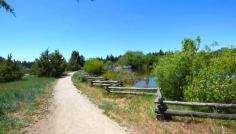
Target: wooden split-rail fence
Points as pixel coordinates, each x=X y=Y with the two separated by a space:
x=164 y=113
x=118 y=86
x=162 y=110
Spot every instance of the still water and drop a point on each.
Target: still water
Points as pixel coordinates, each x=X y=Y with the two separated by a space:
x=151 y=82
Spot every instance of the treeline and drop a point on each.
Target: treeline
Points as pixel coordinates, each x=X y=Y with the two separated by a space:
x=137 y=61
x=47 y=65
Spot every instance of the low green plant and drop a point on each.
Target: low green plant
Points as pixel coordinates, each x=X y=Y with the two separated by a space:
x=126 y=77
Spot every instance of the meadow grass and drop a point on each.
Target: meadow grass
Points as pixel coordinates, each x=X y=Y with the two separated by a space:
x=21 y=100
x=137 y=113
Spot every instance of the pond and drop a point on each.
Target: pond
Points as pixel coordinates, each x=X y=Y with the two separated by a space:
x=151 y=82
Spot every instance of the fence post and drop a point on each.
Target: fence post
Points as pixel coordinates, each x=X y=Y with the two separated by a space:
x=161 y=107
x=107 y=88
x=121 y=83
x=91 y=83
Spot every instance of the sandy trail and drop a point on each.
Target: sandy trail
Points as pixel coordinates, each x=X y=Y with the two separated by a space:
x=73 y=113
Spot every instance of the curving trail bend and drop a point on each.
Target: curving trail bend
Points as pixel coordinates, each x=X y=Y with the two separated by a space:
x=73 y=113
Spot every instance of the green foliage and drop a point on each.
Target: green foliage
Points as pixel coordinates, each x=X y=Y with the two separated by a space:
x=58 y=64
x=76 y=61
x=49 y=65
x=138 y=61
x=126 y=77
x=150 y=61
x=18 y=97
x=10 y=70
x=6 y=6
x=172 y=72
x=216 y=80
x=112 y=58
x=133 y=58
x=94 y=66
x=203 y=76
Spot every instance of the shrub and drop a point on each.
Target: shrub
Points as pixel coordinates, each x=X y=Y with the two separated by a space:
x=172 y=73
x=205 y=76
x=174 y=70
x=10 y=70
x=216 y=80
x=49 y=65
x=94 y=66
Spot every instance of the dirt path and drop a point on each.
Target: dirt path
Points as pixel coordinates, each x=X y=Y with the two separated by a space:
x=73 y=113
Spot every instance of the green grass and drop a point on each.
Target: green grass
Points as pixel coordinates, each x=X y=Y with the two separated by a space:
x=19 y=100
x=137 y=113
x=129 y=79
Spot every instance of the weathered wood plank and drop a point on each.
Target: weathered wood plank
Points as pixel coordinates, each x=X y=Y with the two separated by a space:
x=200 y=114
x=215 y=105
x=103 y=81
x=118 y=84
x=95 y=77
x=134 y=93
x=132 y=88
x=101 y=84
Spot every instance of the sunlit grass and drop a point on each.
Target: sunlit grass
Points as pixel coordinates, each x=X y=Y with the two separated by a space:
x=19 y=99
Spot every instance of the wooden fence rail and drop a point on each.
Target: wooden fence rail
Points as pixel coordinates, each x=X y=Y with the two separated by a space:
x=117 y=86
x=164 y=113
x=162 y=105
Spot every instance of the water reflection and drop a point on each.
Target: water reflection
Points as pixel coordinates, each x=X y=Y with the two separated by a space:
x=151 y=82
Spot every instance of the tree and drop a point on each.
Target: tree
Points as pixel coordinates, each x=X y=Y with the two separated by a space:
x=150 y=61
x=10 y=70
x=42 y=66
x=133 y=58
x=58 y=63
x=49 y=65
x=6 y=6
x=76 y=61
x=2 y=59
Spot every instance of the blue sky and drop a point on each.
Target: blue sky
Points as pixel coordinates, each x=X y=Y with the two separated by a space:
x=113 y=26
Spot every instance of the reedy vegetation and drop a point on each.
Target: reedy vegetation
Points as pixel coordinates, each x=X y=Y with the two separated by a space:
x=21 y=100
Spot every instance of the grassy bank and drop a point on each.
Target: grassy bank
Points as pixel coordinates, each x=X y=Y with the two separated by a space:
x=21 y=102
x=129 y=79
x=137 y=113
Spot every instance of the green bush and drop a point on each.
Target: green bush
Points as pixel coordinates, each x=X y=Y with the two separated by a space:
x=10 y=70
x=172 y=73
x=205 y=76
x=216 y=80
x=94 y=66
x=49 y=65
